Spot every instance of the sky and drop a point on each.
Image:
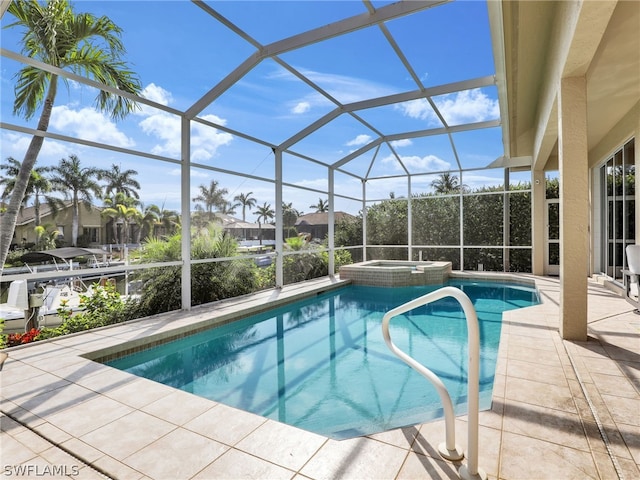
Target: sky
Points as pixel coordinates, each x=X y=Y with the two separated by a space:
x=180 y=52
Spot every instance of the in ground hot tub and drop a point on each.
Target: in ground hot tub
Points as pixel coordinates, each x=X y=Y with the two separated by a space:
x=396 y=273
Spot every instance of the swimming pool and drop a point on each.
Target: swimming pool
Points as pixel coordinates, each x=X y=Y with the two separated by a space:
x=321 y=363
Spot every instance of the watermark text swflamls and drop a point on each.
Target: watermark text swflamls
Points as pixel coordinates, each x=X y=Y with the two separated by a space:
x=32 y=470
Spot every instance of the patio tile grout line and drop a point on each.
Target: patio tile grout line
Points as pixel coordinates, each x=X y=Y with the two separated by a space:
x=595 y=415
x=609 y=317
x=59 y=446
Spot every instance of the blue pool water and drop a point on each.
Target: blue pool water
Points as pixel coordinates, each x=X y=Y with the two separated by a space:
x=321 y=364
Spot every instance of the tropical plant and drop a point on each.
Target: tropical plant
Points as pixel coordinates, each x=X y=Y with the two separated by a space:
x=321 y=207
x=46 y=236
x=295 y=243
x=169 y=221
x=212 y=197
x=118 y=181
x=146 y=218
x=348 y=232
x=264 y=213
x=289 y=217
x=228 y=208
x=446 y=183
x=310 y=262
x=121 y=209
x=38 y=186
x=104 y=306
x=246 y=201
x=79 y=184
x=80 y=43
x=209 y=281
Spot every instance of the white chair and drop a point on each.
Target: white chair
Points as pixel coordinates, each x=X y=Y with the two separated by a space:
x=631 y=276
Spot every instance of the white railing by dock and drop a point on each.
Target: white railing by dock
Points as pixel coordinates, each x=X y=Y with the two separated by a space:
x=449 y=449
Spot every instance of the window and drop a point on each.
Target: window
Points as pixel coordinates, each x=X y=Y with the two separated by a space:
x=617 y=181
x=92 y=234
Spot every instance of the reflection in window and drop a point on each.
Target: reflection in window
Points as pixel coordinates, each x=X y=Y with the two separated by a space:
x=617 y=179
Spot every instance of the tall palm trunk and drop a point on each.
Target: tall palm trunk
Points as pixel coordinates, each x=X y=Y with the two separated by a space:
x=75 y=220
x=36 y=209
x=10 y=216
x=114 y=230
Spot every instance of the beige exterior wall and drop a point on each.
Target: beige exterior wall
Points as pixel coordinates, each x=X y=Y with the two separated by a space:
x=63 y=221
x=580 y=39
x=624 y=130
x=627 y=128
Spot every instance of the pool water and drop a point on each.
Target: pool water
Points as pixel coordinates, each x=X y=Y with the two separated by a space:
x=321 y=364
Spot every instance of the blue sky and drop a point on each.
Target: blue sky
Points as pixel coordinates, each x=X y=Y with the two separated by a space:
x=180 y=53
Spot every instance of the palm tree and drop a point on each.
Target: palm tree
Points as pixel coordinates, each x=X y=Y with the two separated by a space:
x=289 y=217
x=246 y=201
x=38 y=186
x=169 y=221
x=229 y=208
x=146 y=218
x=78 y=185
x=264 y=213
x=321 y=207
x=121 y=208
x=47 y=235
x=80 y=43
x=119 y=181
x=446 y=183
x=212 y=197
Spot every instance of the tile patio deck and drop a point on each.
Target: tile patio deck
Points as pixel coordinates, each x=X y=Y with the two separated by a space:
x=561 y=410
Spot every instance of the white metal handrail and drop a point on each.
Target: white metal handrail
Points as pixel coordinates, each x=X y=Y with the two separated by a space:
x=449 y=449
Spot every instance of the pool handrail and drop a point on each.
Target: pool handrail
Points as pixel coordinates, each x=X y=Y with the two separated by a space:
x=449 y=449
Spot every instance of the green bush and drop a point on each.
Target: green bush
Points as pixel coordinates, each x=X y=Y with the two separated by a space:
x=313 y=263
x=104 y=306
x=161 y=288
x=13 y=257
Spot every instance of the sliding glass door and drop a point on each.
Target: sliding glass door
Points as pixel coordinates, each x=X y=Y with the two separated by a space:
x=618 y=181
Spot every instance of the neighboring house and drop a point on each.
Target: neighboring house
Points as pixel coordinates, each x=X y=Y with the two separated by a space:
x=317 y=224
x=246 y=230
x=90 y=232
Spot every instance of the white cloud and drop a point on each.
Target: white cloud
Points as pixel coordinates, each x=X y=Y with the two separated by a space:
x=467 y=106
x=204 y=140
x=359 y=140
x=428 y=163
x=157 y=94
x=88 y=124
x=347 y=89
x=15 y=145
x=402 y=143
x=166 y=128
x=344 y=88
x=306 y=103
x=301 y=107
x=76 y=85
x=456 y=108
x=419 y=109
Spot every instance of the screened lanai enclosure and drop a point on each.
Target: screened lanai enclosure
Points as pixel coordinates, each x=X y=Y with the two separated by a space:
x=369 y=108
